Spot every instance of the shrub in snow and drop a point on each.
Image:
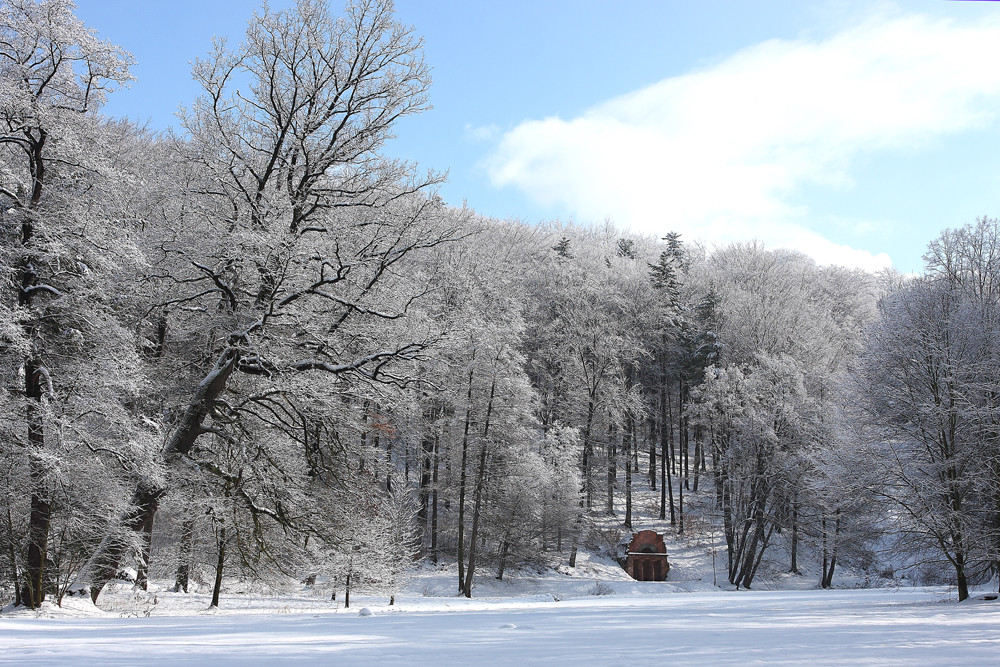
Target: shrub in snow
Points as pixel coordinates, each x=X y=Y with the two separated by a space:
x=601 y=588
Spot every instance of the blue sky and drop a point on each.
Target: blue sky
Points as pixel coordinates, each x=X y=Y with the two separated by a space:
x=854 y=131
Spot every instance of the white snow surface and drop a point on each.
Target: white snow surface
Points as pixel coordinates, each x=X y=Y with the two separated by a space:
x=535 y=618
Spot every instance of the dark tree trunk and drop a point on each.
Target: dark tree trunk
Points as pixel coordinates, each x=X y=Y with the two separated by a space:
x=666 y=452
x=682 y=434
x=630 y=439
x=33 y=582
x=146 y=542
x=612 y=450
x=12 y=555
x=220 y=563
x=830 y=563
x=434 y=500
x=478 y=498
x=652 y=462
x=504 y=550
x=828 y=569
x=794 y=565
x=389 y=465
x=697 y=456
x=33 y=585
x=146 y=497
x=106 y=560
x=184 y=549
x=462 y=480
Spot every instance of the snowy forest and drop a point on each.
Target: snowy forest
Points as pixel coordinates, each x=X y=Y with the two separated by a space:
x=258 y=349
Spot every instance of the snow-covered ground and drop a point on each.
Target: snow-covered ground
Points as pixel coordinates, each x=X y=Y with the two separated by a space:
x=552 y=618
x=593 y=614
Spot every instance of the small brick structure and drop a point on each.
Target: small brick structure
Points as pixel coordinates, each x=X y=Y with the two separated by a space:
x=646 y=557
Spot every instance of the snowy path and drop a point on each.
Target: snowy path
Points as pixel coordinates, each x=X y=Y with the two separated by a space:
x=791 y=627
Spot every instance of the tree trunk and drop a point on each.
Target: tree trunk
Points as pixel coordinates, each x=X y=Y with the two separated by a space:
x=697 y=456
x=105 y=562
x=220 y=563
x=103 y=565
x=794 y=566
x=478 y=497
x=612 y=468
x=666 y=449
x=683 y=437
x=389 y=465
x=33 y=585
x=630 y=439
x=461 y=486
x=504 y=549
x=652 y=458
x=184 y=549
x=828 y=568
x=12 y=555
x=434 y=500
x=146 y=542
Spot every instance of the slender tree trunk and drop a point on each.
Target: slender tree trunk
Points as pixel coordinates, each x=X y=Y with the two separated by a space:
x=577 y=536
x=220 y=563
x=389 y=465
x=794 y=566
x=666 y=451
x=652 y=457
x=697 y=456
x=630 y=438
x=651 y=441
x=682 y=436
x=478 y=497
x=184 y=556
x=434 y=500
x=685 y=436
x=612 y=450
x=462 y=475
x=504 y=549
x=347 y=588
x=825 y=553
x=12 y=555
x=828 y=570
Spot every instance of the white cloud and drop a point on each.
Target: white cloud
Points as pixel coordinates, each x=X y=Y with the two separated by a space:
x=718 y=153
x=482 y=132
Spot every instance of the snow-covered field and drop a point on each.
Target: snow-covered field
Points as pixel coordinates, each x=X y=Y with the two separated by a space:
x=671 y=623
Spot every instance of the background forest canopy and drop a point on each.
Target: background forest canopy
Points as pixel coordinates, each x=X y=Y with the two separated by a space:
x=261 y=348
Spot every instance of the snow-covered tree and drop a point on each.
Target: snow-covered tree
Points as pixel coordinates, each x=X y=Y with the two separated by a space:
x=303 y=227
x=67 y=183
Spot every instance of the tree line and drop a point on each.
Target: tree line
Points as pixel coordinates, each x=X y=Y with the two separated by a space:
x=259 y=347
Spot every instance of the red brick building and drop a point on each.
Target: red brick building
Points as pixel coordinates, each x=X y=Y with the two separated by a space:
x=646 y=557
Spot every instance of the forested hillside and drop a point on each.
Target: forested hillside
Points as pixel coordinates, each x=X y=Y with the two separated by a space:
x=262 y=349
